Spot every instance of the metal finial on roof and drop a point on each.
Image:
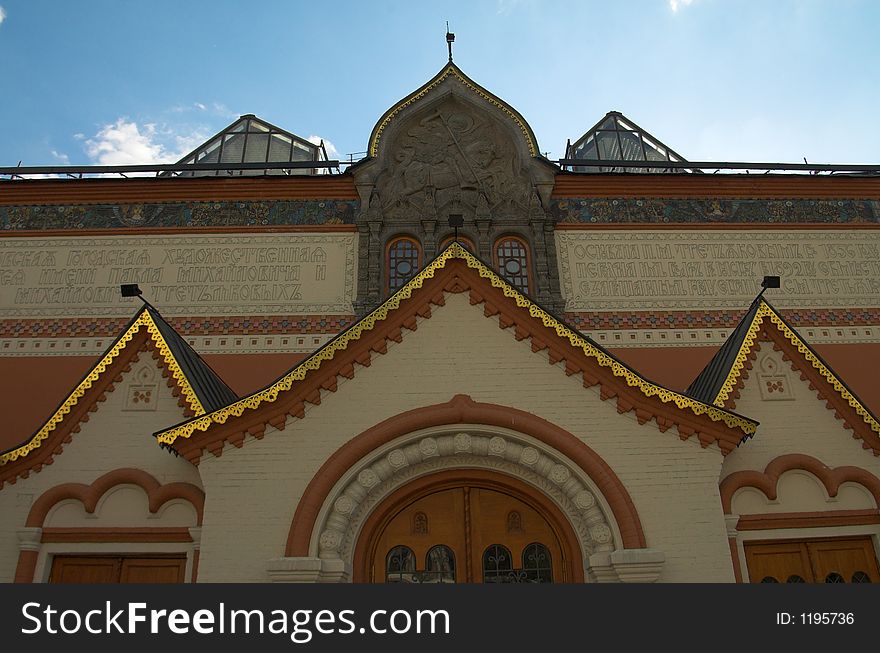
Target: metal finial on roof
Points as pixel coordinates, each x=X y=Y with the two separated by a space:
x=450 y=39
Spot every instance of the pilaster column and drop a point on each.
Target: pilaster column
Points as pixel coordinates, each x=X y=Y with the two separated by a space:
x=29 y=539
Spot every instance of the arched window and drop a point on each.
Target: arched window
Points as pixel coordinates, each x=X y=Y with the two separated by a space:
x=440 y=565
x=537 y=565
x=861 y=577
x=404 y=260
x=464 y=241
x=400 y=565
x=834 y=577
x=512 y=261
x=497 y=564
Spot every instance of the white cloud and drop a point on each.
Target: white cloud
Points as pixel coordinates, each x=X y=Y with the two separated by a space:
x=181 y=108
x=2 y=15
x=127 y=143
x=332 y=152
x=506 y=6
x=61 y=157
x=675 y=5
x=222 y=110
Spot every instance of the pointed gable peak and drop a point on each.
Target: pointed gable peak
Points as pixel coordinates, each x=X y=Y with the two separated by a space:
x=451 y=80
x=719 y=381
x=200 y=388
x=454 y=270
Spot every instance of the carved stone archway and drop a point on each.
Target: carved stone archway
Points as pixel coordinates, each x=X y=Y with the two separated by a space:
x=463 y=434
x=422 y=454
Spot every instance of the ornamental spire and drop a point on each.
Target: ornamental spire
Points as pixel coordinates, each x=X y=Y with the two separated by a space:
x=450 y=39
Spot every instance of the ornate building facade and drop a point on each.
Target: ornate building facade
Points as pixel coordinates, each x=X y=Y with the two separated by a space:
x=454 y=362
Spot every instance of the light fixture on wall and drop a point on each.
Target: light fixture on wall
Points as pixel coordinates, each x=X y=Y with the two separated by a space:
x=456 y=220
x=769 y=282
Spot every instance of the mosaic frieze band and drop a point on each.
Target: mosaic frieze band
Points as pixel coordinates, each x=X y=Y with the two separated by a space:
x=706 y=211
x=329 y=212
x=838 y=317
x=186 y=326
x=179 y=214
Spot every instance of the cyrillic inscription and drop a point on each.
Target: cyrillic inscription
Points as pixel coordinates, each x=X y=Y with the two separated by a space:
x=205 y=274
x=642 y=269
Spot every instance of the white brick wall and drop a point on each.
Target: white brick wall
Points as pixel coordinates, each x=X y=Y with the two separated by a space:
x=800 y=425
x=253 y=491
x=112 y=438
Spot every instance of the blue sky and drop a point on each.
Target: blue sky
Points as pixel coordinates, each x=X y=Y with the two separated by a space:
x=119 y=81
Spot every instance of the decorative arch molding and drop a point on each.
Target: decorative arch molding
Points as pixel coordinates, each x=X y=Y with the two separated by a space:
x=158 y=495
x=768 y=480
x=420 y=455
x=356 y=477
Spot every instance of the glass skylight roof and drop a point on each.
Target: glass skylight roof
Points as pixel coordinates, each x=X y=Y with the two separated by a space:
x=617 y=138
x=251 y=140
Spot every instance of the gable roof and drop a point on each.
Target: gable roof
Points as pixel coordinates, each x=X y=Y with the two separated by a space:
x=710 y=381
x=616 y=137
x=456 y=270
x=210 y=391
x=719 y=381
x=200 y=388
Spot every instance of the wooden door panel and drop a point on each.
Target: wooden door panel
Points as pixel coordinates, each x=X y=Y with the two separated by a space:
x=85 y=569
x=152 y=570
x=779 y=561
x=118 y=569
x=434 y=519
x=499 y=518
x=844 y=557
x=467 y=520
x=812 y=560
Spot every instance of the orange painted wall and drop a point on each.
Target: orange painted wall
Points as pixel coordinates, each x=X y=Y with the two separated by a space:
x=31 y=388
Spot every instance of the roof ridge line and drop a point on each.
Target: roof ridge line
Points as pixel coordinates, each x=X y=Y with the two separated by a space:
x=141 y=319
x=270 y=393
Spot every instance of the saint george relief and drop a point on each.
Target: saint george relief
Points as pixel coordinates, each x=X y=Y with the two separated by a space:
x=453 y=161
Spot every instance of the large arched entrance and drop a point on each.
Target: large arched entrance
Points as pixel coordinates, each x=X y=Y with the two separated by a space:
x=365 y=484
x=467 y=526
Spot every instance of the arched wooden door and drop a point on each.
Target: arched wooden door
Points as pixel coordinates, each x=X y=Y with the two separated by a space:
x=473 y=531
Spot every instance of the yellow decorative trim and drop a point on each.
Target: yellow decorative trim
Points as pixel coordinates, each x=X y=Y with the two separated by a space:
x=740 y=361
x=454 y=251
x=173 y=366
x=422 y=92
x=143 y=320
x=765 y=311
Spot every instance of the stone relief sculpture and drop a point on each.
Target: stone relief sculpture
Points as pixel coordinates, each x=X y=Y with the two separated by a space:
x=453 y=150
x=453 y=158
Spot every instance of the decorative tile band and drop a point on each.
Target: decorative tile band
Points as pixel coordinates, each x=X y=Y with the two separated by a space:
x=178 y=214
x=332 y=324
x=832 y=317
x=707 y=211
x=186 y=326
